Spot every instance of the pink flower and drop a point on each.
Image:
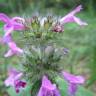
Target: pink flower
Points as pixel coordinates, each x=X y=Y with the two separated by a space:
x=47 y=88
x=11 y=24
x=73 y=82
x=13 y=49
x=72 y=18
x=14 y=80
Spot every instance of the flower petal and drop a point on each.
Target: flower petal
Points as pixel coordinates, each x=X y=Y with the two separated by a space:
x=47 y=88
x=72 y=13
x=8 y=29
x=72 y=89
x=12 y=45
x=71 y=18
x=18 y=23
x=14 y=80
x=46 y=83
x=12 y=71
x=9 y=53
x=4 y=18
x=76 y=10
x=73 y=79
x=75 y=19
x=17 y=19
x=18 y=26
x=78 y=21
x=19 y=84
x=9 y=81
x=40 y=93
x=7 y=39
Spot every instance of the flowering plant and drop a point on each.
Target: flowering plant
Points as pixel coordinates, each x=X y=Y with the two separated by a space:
x=40 y=54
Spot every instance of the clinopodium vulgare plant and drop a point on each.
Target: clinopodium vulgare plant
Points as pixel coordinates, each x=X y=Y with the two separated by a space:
x=40 y=54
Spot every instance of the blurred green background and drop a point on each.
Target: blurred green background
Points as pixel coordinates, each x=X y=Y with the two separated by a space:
x=17 y=6
x=81 y=41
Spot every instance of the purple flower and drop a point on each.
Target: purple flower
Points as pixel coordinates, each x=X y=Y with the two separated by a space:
x=47 y=88
x=11 y=24
x=72 y=18
x=73 y=82
x=13 y=49
x=14 y=80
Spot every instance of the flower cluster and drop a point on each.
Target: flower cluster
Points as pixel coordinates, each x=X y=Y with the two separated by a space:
x=41 y=57
x=10 y=26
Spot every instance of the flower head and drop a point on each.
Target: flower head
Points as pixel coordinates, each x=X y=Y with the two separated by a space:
x=73 y=81
x=14 y=80
x=11 y=24
x=47 y=88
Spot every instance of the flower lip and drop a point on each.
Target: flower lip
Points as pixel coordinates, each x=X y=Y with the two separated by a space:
x=14 y=80
x=73 y=82
x=19 y=84
x=17 y=19
x=7 y=39
x=70 y=17
x=13 y=75
x=47 y=88
x=47 y=84
x=16 y=23
x=73 y=79
x=4 y=18
x=14 y=49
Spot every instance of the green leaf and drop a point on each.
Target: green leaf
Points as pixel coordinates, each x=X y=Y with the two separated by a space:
x=35 y=88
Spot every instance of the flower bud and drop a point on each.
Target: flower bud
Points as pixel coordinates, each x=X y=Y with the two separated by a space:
x=49 y=50
x=58 y=28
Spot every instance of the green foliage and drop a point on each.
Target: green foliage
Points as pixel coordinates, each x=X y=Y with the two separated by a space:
x=92 y=63
x=14 y=6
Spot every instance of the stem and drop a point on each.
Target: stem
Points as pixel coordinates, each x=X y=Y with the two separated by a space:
x=35 y=88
